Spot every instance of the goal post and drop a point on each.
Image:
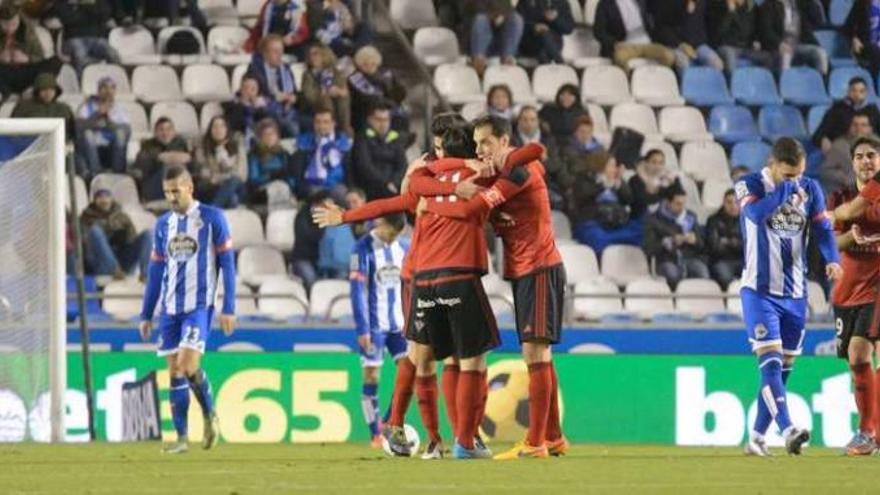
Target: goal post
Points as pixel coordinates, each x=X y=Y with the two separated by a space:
x=33 y=213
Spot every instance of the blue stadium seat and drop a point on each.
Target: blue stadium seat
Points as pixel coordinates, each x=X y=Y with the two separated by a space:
x=705 y=87
x=93 y=306
x=732 y=123
x=814 y=118
x=838 y=82
x=722 y=318
x=776 y=121
x=754 y=86
x=803 y=86
x=752 y=154
x=672 y=318
x=838 y=11
x=837 y=47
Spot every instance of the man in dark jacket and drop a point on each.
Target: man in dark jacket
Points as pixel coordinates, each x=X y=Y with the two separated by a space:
x=166 y=148
x=681 y=26
x=732 y=28
x=379 y=160
x=276 y=81
x=785 y=28
x=724 y=241
x=863 y=30
x=85 y=31
x=625 y=34
x=112 y=245
x=21 y=54
x=307 y=239
x=673 y=240
x=44 y=104
x=546 y=21
x=837 y=119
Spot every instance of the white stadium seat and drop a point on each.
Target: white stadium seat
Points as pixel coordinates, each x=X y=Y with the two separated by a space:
x=152 y=83
x=298 y=69
x=122 y=187
x=515 y=77
x=219 y=12
x=330 y=296
x=635 y=116
x=206 y=82
x=436 y=45
x=279 y=229
x=577 y=12
x=458 y=83
x=237 y=74
x=601 y=131
x=734 y=303
x=245 y=228
x=667 y=149
x=580 y=262
x=283 y=309
x=182 y=113
x=606 y=85
x=702 y=306
x=561 y=226
x=226 y=45
x=142 y=219
x=590 y=12
x=92 y=74
x=819 y=307
x=472 y=110
x=82 y=196
x=209 y=110
x=257 y=264
x=68 y=80
x=683 y=124
x=45 y=39
x=123 y=308
x=7 y=107
x=548 y=78
x=245 y=303
x=648 y=307
x=162 y=42
x=135 y=45
x=581 y=50
x=704 y=159
x=413 y=14
x=249 y=8
x=622 y=264
x=656 y=85
x=596 y=308
x=713 y=192
x=137 y=119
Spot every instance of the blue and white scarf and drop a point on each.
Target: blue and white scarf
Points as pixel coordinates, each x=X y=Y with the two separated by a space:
x=288 y=84
x=327 y=157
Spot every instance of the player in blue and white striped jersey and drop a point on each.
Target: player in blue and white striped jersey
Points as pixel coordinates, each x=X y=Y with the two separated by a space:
x=191 y=244
x=779 y=209
x=376 y=263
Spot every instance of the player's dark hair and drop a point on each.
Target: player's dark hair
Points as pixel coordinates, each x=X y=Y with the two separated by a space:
x=175 y=171
x=442 y=122
x=871 y=141
x=458 y=142
x=857 y=80
x=500 y=126
x=788 y=151
x=396 y=220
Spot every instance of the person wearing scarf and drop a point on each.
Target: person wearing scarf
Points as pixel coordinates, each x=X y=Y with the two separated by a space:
x=499 y=102
x=370 y=84
x=277 y=82
x=322 y=157
x=267 y=162
x=324 y=86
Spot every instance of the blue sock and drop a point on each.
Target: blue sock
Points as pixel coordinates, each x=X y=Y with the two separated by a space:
x=786 y=371
x=763 y=418
x=179 y=396
x=370 y=405
x=772 y=393
x=201 y=388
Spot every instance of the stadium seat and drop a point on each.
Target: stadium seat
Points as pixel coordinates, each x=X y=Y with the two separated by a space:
x=803 y=86
x=93 y=306
x=838 y=82
x=413 y=14
x=590 y=12
x=635 y=116
x=122 y=186
x=93 y=73
x=601 y=131
x=279 y=229
x=683 y=124
x=605 y=85
x=836 y=46
x=181 y=113
x=256 y=264
x=162 y=42
x=515 y=77
x=591 y=301
x=581 y=50
x=656 y=85
x=752 y=154
x=436 y=45
x=226 y=45
x=577 y=11
x=245 y=228
x=694 y=201
x=329 y=298
x=153 y=83
x=245 y=303
x=137 y=119
x=293 y=307
x=622 y=264
x=705 y=159
x=815 y=116
x=548 y=78
x=705 y=87
x=754 y=86
x=500 y=296
x=237 y=74
x=731 y=124
x=667 y=149
x=648 y=307
x=838 y=11
x=142 y=219
x=472 y=110
x=580 y=262
x=209 y=111
x=734 y=303
x=82 y=196
x=72 y=100
x=68 y=80
x=249 y=9
x=820 y=309
x=219 y=12
x=123 y=308
x=45 y=39
x=713 y=192
x=207 y=82
x=775 y=121
x=458 y=83
x=561 y=226
x=135 y=45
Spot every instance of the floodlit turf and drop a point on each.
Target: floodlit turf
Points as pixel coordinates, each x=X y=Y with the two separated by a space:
x=350 y=469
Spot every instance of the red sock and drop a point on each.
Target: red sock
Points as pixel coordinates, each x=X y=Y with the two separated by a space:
x=554 y=426
x=468 y=403
x=403 y=390
x=540 y=383
x=863 y=381
x=426 y=392
x=484 y=396
x=449 y=381
x=877 y=404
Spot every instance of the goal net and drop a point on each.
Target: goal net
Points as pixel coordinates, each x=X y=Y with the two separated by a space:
x=32 y=289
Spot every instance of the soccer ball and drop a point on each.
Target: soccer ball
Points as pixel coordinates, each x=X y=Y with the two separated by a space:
x=507 y=407
x=412 y=438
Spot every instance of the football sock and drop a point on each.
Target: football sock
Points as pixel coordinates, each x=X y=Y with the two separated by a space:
x=876 y=425
x=468 y=401
x=449 y=383
x=763 y=417
x=370 y=406
x=863 y=383
x=201 y=388
x=554 y=427
x=403 y=391
x=179 y=397
x=426 y=393
x=772 y=393
x=540 y=382
x=484 y=396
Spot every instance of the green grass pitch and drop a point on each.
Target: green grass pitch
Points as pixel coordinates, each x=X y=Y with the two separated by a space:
x=355 y=469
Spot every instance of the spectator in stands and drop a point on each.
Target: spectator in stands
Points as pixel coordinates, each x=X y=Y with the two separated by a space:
x=334 y=252
x=337 y=28
x=21 y=54
x=268 y=161
x=355 y=198
x=325 y=86
x=288 y=19
x=495 y=28
x=103 y=124
x=562 y=115
x=732 y=31
x=673 y=239
x=371 y=83
x=222 y=163
x=307 y=238
x=836 y=171
x=379 y=159
x=651 y=179
x=277 y=82
x=112 y=245
x=681 y=26
x=838 y=118
x=85 y=32
x=44 y=104
x=724 y=241
x=785 y=28
x=249 y=107
x=583 y=155
x=528 y=130
x=546 y=21
x=623 y=29
x=449 y=14
x=322 y=157
x=601 y=208
x=499 y=102
x=163 y=150
x=862 y=27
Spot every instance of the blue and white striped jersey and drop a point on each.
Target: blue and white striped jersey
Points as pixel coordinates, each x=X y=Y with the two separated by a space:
x=375 y=284
x=774 y=222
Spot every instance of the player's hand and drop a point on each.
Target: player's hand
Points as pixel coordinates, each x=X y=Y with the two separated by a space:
x=327 y=215
x=480 y=168
x=145 y=328
x=833 y=271
x=418 y=163
x=364 y=342
x=857 y=235
x=467 y=188
x=227 y=324
x=503 y=220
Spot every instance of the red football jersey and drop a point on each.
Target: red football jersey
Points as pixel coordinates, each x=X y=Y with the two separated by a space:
x=861 y=264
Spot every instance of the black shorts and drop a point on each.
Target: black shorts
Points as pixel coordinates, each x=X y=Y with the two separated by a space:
x=539 y=299
x=853 y=321
x=451 y=313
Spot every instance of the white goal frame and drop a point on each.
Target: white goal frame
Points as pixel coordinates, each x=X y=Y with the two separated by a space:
x=56 y=262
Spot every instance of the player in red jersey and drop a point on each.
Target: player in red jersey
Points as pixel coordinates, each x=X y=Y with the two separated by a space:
x=855 y=296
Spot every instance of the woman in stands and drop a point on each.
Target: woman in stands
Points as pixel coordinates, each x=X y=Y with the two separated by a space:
x=222 y=163
x=561 y=116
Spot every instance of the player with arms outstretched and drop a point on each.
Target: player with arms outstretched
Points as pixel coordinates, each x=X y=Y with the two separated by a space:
x=779 y=208
x=191 y=244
